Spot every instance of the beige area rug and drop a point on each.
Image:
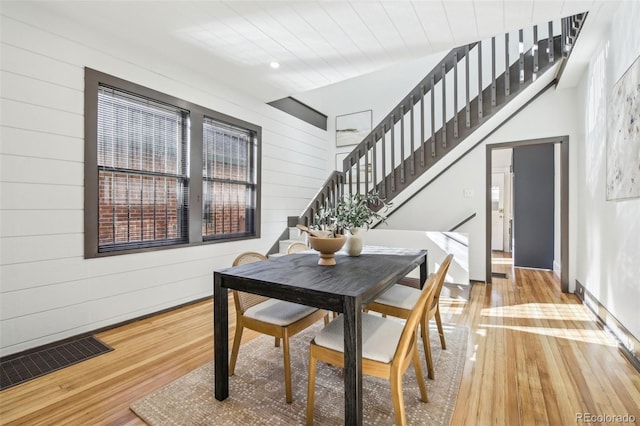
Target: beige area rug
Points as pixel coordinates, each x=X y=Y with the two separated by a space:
x=256 y=391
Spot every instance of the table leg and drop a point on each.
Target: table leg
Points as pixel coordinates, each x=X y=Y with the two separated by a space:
x=352 y=361
x=220 y=338
x=424 y=271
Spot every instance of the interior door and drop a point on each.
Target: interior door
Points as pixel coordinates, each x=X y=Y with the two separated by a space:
x=533 y=209
x=497 y=211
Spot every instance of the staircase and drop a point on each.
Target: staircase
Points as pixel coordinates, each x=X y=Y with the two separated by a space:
x=469 y=86
x=291 y=235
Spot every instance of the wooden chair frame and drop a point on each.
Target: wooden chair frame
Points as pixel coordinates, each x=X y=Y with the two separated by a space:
x=406 y=353
x=244 y=301
x=432 y=310
x=297 y=246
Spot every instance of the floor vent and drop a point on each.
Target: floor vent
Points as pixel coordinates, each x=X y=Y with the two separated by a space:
x=26 y=367
x=499 y=275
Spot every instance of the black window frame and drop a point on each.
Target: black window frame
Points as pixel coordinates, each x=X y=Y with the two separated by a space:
x=234 y=138
x=196 y=114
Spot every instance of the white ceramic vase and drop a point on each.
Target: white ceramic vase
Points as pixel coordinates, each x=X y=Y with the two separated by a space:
x=353 y=246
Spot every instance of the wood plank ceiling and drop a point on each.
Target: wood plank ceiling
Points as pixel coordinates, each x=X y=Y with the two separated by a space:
x=316 y=43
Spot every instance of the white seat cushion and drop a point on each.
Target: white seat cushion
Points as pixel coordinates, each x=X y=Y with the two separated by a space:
x=279 y=312
x=380 y=336
x=400 y=296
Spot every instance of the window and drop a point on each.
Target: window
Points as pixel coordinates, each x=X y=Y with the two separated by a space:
x=142 y=173
x=162 y=172
x=228 y=180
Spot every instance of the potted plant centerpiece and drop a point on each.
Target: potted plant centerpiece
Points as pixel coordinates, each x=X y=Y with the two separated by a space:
x=356 y=211
x=353 y=212
x=323 y=236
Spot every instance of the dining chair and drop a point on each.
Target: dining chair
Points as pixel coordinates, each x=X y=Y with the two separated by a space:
x=273 y=317
x=297 y=246
x=388 y=347
x=400 y=299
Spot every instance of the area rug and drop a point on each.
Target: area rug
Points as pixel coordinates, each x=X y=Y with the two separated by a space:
x=256 y=391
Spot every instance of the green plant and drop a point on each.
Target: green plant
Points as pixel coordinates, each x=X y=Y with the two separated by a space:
x=325 y=220
x=352 y=211
x=357 y=210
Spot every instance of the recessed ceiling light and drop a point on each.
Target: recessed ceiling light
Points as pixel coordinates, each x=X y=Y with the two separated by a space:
x=275 y=65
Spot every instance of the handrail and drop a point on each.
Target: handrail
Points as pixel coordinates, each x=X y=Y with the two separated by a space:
x=328 y=195
x=450 y=236
x=462 y=222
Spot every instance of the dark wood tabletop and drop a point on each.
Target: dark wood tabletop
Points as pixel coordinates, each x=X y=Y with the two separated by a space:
x=345 y=287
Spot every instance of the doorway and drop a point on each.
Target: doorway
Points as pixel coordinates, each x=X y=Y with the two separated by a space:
x=563 y=204
x=501 y=201
x=533 y=206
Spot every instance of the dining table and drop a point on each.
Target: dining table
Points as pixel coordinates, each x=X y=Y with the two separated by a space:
x=346 y=287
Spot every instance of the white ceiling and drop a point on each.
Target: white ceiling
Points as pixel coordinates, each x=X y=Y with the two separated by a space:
x=317 y=43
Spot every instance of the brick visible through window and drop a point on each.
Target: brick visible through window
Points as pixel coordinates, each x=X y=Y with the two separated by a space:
x=142 y=178
x=228 y=180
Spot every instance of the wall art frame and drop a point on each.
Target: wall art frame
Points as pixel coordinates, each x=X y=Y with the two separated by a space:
x=623 y=136
x=351 y=129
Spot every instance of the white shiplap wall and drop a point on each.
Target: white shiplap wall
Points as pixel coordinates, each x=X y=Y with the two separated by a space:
x=48 y=291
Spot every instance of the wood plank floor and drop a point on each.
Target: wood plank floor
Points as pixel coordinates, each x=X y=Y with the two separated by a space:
x=535 y=356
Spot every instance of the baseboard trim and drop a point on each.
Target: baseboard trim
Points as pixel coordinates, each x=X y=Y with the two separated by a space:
x=31 y=351
x=557 y=268
x=628 y=344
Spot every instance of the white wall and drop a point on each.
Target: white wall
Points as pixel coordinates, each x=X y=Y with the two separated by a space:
x=48 y=290
x=608 y=231
x=438 y=244
x=442 y=204
x=379 y=92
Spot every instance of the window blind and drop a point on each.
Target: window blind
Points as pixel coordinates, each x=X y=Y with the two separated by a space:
x=229 y=182
x=142 y=172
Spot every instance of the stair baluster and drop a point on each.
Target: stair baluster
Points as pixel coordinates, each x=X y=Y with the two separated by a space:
x=521 y=57
x=480 y=106
x=550 y=42
x=455 y=95
x=467 y=109
x=534 y=52
x=412 y=165
x=493 y=72
x=402 y=171
x=443 y=82
x=423 y=157
x=393 y=153
x=507 y=64
x=433 y=117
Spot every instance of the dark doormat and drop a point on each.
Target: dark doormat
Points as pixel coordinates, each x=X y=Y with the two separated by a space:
x=26 y=367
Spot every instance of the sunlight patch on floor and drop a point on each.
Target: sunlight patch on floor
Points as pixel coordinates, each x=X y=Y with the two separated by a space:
x=597 y=337
x=549 y=311
x=452 y=306
x=454 y=310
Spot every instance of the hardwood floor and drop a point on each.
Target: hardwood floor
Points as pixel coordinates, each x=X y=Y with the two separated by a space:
x=535 y=356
